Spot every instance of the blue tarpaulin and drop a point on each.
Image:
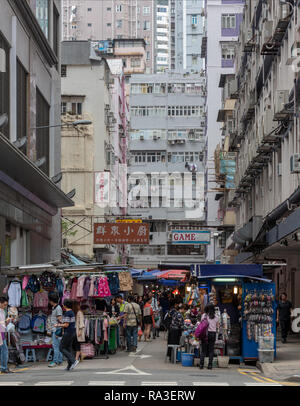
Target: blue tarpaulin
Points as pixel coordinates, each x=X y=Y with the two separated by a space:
x=255 y=270
x=76 y=261
x=137 y=272
x=150 y=276
x=169 y=282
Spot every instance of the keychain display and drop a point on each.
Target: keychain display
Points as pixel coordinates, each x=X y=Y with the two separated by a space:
x=259 y=313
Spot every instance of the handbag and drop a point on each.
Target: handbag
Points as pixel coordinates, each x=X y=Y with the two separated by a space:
x=87 y=350
x=58 y=332
x=137 y=320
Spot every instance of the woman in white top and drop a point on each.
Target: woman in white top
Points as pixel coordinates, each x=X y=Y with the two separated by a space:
x=208 y=345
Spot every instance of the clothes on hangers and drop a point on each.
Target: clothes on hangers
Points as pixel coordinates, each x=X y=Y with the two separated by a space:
x=14 y=294
x=79 y=292
x=73 y=295
x=125 y=281
x=40 y=300
x=86 y=287
x=113 y=282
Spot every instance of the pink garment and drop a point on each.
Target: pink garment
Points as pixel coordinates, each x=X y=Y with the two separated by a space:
x=105 y=327
x=40 y=300
x=80 y=285
x=74 y=289
x=103 y=287
x=212 y=323
x=66 y=295
x=25 y=281
x=91 y=292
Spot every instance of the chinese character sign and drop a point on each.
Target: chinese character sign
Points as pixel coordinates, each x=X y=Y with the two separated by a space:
x=102 y=194
x=121 y=233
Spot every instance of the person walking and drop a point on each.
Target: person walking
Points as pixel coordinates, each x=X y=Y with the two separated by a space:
x=208 y=344
x=3 y=341
x=68 y=324
x=132 y=320
x=284 y=310
x=79 y=325
x=56 y=334
x=121 y=303
x=148 y=318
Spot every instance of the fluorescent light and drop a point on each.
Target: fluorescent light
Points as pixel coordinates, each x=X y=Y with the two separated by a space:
x=224 y=280
x=235 y=290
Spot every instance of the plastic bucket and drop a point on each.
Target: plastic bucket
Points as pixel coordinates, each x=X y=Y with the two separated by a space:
x=178 y=358
x=187 y=360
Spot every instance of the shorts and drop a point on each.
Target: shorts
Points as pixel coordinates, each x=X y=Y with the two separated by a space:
x=148 y=320
x=76 y=345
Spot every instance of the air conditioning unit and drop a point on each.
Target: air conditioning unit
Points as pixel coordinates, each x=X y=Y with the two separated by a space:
x=141 y=137
x=281 y=98
x=295 y=163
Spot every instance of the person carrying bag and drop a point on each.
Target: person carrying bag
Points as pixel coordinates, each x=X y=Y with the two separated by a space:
x=133 y=320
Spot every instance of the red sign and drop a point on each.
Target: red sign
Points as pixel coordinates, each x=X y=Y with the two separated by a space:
x=121 y=233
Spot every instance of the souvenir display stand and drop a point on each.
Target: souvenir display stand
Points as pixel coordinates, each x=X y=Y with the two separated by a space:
x=245 y=305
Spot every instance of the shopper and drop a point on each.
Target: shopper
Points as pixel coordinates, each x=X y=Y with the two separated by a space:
x=3 y=342
x=56 y=333
x=148 y=319
x=80 y=333
x=284 y=310
x=68 y=324
x=132 y=320
x=121 y=303
x=157 y=320
x=176 y=326
x=208 y=344
x=113 y=309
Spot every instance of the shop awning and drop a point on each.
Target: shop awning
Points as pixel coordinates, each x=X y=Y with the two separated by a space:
x=150 y=275
x=169 y=282
x=235 y=276
x=26 y=178
x=245 y=270
x=137 y=272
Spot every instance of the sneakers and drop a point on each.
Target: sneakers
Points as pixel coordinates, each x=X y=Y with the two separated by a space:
x=52 y=365
x=6 y=371
x=74 y=365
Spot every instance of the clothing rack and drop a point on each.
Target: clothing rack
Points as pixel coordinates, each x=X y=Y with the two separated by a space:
x=97 y=346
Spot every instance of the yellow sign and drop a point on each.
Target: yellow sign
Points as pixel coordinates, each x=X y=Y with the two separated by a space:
x=128 y=221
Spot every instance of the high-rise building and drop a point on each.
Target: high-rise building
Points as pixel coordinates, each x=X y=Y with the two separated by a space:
x=223 y=18
x=111 y=19
x=167 y=139
x=30 y=201
x=162 y=36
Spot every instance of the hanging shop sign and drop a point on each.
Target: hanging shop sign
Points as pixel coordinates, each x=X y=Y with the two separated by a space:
x=102 y=195
x=121 y=233
x=190 y=237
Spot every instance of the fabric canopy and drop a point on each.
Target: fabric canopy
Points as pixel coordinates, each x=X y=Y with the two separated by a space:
x=150 y=275
x=169 y=282
x=173 y=274
x=231 y=270
x=235 y=276
x=137 y=272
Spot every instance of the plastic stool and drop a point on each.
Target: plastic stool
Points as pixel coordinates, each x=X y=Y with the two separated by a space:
x=174 y=349
x=50 y=355
x=30 y=355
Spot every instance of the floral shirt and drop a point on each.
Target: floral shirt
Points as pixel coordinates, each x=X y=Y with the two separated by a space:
x=177 y=322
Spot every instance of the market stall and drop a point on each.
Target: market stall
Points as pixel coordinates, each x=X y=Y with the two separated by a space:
x=245 y=303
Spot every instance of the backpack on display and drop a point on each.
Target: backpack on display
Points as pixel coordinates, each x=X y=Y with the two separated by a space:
x=201 y=330
x=33 y=284
x=24 y=324
x=38 y=324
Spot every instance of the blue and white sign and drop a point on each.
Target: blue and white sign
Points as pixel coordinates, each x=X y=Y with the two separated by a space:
x=190 y=237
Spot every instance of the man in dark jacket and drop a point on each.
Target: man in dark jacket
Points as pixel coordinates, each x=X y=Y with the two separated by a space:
x=284 y=315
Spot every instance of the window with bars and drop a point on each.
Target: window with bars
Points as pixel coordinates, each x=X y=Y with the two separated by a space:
x=42 y=134
x=22 y=109
x=228 y=21
x=4 y=82
x=63 y=71
x=42 y=15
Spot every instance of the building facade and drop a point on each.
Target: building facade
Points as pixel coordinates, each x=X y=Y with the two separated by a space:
x=266 y=142
x=111 y=19
x=91 y=155
x=30 y=201
x=166 y=138
x=223 y=18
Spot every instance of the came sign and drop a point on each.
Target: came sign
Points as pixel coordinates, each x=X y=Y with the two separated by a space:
x=121 y=233
x=190 y=237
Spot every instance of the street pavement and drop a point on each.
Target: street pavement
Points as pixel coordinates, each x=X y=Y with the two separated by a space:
x=147 y=367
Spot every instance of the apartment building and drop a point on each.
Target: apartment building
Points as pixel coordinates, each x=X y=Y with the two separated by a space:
x=187 y=32
x=92 y=155
x=266 y=141
x=162 y=36
x=30 y=196
x=167 y=137
x=223 y=18
x=111 y=19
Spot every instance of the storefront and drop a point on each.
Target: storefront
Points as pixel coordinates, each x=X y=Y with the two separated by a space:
x=245 y=303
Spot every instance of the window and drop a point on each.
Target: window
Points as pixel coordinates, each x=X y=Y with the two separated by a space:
x=229 y=21
x=108 y=9
x=89 y=9
x=228 y=52
x=42 y=134
x=4 y=82
x=89 y=24
x=55 y=30
x=146 y=11
x=146 y=25
x=119 y=8
x=63 y=107
x=135 y=62
x=42 y=15
x=148 y=55
x=108 y=24
x=194 y=60
x=194 y=19
x=119 y=23
x=63 y=71
x=21 y=100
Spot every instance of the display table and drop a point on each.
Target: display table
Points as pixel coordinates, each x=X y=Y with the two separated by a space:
x=30 y=351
